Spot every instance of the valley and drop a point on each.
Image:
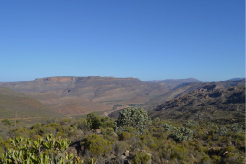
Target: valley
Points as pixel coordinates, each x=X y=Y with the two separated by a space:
x=123 y=120
x=72 y=96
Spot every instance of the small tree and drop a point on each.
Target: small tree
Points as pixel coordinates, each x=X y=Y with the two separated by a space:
x=132 y=117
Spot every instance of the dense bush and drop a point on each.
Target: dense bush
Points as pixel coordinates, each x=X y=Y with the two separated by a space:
x=181 y=134
x=132 y=117
x=141 y=157
x=94 y=121
x=97 y=145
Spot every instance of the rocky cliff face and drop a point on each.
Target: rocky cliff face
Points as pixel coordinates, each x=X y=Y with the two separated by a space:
x=58 y=79
x=89 y=78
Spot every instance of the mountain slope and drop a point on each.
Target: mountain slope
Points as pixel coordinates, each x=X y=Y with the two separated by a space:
x=13 y=103
x=88 y=93
x=185 y=88
x=210 y=102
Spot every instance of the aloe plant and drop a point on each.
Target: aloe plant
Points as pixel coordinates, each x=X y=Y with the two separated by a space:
x=49 y=151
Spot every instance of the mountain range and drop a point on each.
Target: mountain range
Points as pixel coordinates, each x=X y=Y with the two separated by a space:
x=71 y=96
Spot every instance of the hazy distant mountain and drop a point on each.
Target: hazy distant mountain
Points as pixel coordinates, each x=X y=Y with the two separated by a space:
x=172 y=83
x=236 y=79
x=176 y=81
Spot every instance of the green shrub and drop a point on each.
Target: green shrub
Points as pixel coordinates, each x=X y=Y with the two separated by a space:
x=132 y=117
x=106 y=122
x=215 y=159
x=230 y=149
x=97 y=145
x=125 y=136
x=222 y=131
x=236 y=128
x=141 y=158
x=181 y=134
x=108 y=134
x=168 y=127
x=93 y=120
x=36 y=126
x=6 y=122
x=149 y=141
x=120 y=147
x=179 y=152
x=205 y=159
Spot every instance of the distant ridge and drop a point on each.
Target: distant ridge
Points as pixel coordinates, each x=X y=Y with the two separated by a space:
x=236 y=79
x=175 y=81
x=71 y=95
x=80 y=78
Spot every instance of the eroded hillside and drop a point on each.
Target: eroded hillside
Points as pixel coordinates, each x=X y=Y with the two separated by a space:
x=212 y=102
x=80 y=95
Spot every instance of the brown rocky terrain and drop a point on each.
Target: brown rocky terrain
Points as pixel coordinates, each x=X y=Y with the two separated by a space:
x=177 y=93
x=221 y=101
x=80 y=95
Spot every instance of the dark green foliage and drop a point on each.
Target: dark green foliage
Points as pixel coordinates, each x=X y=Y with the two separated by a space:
x=205 y=159
x=222 y=131
x=179 y=133
x=109 y=134
x=235 y=128
x=6 y=122
x=93 y=120
x=150 y=141
x=125 y=136
x=132 y=117
x=168 y=127
x=179 y=152
x=96 y=145
x=141 y=158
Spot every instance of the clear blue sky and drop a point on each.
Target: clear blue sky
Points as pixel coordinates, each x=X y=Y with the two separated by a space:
x=149 y=40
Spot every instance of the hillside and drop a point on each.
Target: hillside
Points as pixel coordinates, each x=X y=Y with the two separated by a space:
x=180 y=90
x=80 y=95
x=221 y=101
x=13 y=104
x=185 y=88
